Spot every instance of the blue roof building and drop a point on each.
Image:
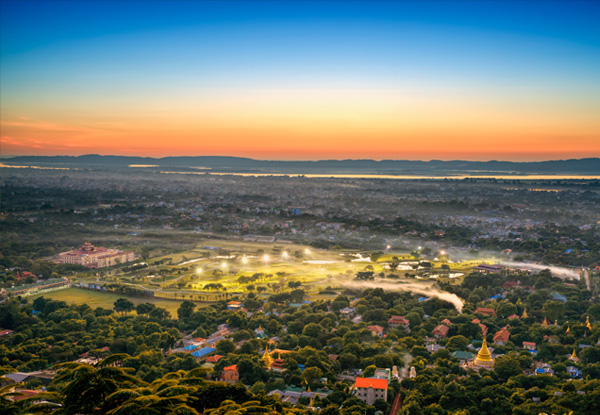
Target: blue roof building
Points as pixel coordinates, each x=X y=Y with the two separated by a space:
x=203 y=352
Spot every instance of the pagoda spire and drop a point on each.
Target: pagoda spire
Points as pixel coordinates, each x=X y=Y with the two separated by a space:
x=267 y=359
x=587 y=323
x=524 y=313
x=484 y=359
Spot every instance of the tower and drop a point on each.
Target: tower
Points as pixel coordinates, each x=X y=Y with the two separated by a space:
x=267 y=359
x=483 y=360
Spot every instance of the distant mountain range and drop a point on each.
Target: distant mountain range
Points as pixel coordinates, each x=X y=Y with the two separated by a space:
x=240 y=164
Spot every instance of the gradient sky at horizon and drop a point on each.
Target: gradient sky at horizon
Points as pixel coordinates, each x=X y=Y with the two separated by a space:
x=514 y=80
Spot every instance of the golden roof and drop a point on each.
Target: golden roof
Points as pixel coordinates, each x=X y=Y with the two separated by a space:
x=524 y=313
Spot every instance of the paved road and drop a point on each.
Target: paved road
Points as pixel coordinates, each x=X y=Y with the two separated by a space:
x=396 y=406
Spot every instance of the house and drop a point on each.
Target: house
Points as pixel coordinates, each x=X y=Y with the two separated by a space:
x=347 y=312
x=446 y=322
x=234 y=305
x=231 y=374
x=399 y=321
x=501 y=337
x=45 y=377
x=464 y=357
x=214 y=358
x=488 y=269
x=5 y=332
x=277 y=365
x=485 y=311
x=369 y=390
x=432 y=348
x=529 y=346
x=357 y=319
x=376 y=330
x=201 y=354
x=440 y=331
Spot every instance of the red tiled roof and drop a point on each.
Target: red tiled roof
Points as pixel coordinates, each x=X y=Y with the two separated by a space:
x=441 y=330
x=232 y=367
x=488 y=311
x=214 y=358
x=502 y=335
x=377 y=329
x=371 y=383
x=529 y=344
x=398 y=320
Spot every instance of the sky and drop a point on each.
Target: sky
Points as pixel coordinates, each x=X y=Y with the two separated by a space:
x=305 y=80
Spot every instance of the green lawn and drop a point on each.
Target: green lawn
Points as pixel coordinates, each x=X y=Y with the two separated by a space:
x=106 y=300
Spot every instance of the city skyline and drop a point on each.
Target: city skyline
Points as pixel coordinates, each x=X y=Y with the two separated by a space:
x=301 y=80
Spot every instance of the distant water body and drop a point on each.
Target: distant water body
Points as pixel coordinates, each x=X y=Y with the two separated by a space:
x=458 y=176
x=406 y=176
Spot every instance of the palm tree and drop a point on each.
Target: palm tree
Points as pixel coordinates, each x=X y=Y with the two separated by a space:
x=86 y=386
x=229 y=407
x=7 y=394
x=167 y=395
x=45 y=403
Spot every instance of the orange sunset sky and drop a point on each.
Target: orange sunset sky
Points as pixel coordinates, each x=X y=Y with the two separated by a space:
x=392 y=80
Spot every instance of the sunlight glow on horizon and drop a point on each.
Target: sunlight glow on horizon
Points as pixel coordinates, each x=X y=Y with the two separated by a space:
x=301 y=81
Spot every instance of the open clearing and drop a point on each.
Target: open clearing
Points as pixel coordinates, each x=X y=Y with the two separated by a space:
x=106 y=300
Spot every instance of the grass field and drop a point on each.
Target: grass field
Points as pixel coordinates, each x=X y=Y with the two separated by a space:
x=106 y=300
x=187 y=273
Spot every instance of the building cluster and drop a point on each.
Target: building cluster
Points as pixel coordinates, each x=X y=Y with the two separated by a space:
x=92 y=256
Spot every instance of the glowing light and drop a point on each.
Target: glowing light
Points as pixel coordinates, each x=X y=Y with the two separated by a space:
x=307 y=251
x=224 y=265
x=419 y=248
x=442 y=252
x=198 y=270
x=244 y=260
x=285 y=254
x=266 y=258
x=388 y=247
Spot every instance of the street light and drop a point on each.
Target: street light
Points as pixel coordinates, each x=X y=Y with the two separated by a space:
x=307 y=251
x=266 y=258
x=388 y=247
x=224 y=265
x=284 y=255
x=198 y=270
x=244 y=260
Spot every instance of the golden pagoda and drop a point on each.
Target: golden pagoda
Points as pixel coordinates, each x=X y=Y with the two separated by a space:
x=483 y=360
x=587 y=323
x=545 y=322
x=574 y=357
x=267 y=359
x=524 y=313
x=568 y=330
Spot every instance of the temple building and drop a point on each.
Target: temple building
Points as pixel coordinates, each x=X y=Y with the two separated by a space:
x=91 y=256
x=483 y=360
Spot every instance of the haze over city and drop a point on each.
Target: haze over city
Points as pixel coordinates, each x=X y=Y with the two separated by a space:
x=301 y=80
